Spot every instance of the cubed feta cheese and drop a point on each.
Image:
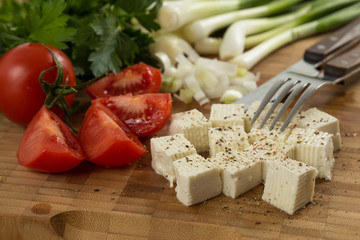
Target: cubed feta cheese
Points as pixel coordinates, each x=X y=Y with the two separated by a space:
x=258 y=134
x=194 y=126
x=197 y=179
x=165 y=150
x=322 y=121
x=222 y=138
x=267 y=151
x=314 y=148
x=289 y=185
x=239 y=172
x=225 y=115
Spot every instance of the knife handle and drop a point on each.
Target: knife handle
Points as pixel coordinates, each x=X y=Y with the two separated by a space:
x=343 y=64
x=344 y=68
x=344 y=36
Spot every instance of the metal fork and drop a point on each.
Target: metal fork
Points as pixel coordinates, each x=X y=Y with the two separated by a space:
x=292 y=88
x=300 y=85
x=327 y=62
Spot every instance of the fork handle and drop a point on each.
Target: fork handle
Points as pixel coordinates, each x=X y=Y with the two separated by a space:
x=344 y=36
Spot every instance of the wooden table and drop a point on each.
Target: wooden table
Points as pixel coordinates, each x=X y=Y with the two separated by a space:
x=92 y=202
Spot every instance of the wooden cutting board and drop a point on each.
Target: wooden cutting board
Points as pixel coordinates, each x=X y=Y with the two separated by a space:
x=92 y=202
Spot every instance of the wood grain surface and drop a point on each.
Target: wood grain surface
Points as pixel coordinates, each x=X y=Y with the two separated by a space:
x=92 y=202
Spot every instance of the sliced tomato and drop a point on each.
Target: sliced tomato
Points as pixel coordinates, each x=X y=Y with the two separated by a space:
x=49 y=145
x=106 y=140
x=136 y=79
x=143 y=114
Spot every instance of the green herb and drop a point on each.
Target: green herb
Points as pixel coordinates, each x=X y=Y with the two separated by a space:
x=35 y=21
x=99 y=36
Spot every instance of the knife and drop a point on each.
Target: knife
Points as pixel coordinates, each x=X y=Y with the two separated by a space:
x=328 y=60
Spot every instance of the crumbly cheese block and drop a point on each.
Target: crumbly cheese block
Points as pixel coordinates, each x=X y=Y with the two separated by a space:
x=239 y=173
x=267 y=151
x=165 y=150
x=314 y=148
x=252 y=110
x=322 y=121
x=289 y=185
x=197 y=179
x=222 y=138
x=259 y=134
x=194 y=125
x=225 y=115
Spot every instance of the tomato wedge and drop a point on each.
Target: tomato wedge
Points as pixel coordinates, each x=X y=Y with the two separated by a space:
x=143 y=114
x=106 y=140
x=49 y=145
x=136 y=79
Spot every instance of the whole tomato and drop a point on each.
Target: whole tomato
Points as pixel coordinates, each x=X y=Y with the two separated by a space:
x=21 y=95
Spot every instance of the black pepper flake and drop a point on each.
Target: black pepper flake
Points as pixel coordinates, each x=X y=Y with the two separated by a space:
x=96 y=190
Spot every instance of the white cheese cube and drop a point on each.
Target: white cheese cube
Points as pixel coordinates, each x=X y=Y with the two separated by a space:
x=314 y=148
x=222 y=138
x=224 y=115
x=259 y=134
x=165 y=150
x=194 y=126
x=268 y=151
x=289 y=185
x=252 y=110
x=322 y=121
x=239 y=172
x=197 y=179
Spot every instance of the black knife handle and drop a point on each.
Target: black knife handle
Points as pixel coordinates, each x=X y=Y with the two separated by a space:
x=329 y=45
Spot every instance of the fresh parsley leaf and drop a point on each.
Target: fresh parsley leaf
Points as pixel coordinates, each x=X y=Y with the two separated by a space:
x=143 y=10
x=36 y=21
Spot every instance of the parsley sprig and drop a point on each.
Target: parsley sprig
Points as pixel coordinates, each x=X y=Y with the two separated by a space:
x=99 y=36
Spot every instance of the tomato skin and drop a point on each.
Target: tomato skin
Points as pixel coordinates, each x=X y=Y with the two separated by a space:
x=136 y=79
x=143 y=114
x=106 y=140
x=49 y=145
x=21 y=95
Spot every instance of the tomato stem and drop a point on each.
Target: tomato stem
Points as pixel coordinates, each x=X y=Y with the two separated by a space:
x=56 y=91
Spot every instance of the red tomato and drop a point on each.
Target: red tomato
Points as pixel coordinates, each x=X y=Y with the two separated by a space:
x=49 y=145
x=136 y=79
x=106 y=140
x=21 y=95
x=143 y=114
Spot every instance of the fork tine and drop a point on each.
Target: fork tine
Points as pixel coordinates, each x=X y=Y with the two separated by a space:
x=285 y=90
x=267 y=98
x=306 y=94
x=295 y=91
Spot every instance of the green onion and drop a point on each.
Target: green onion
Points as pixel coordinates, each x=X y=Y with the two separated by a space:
x=175 y=14
x=327 y=23
x=204 y=27
x=233 y=42
x=318 y=9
